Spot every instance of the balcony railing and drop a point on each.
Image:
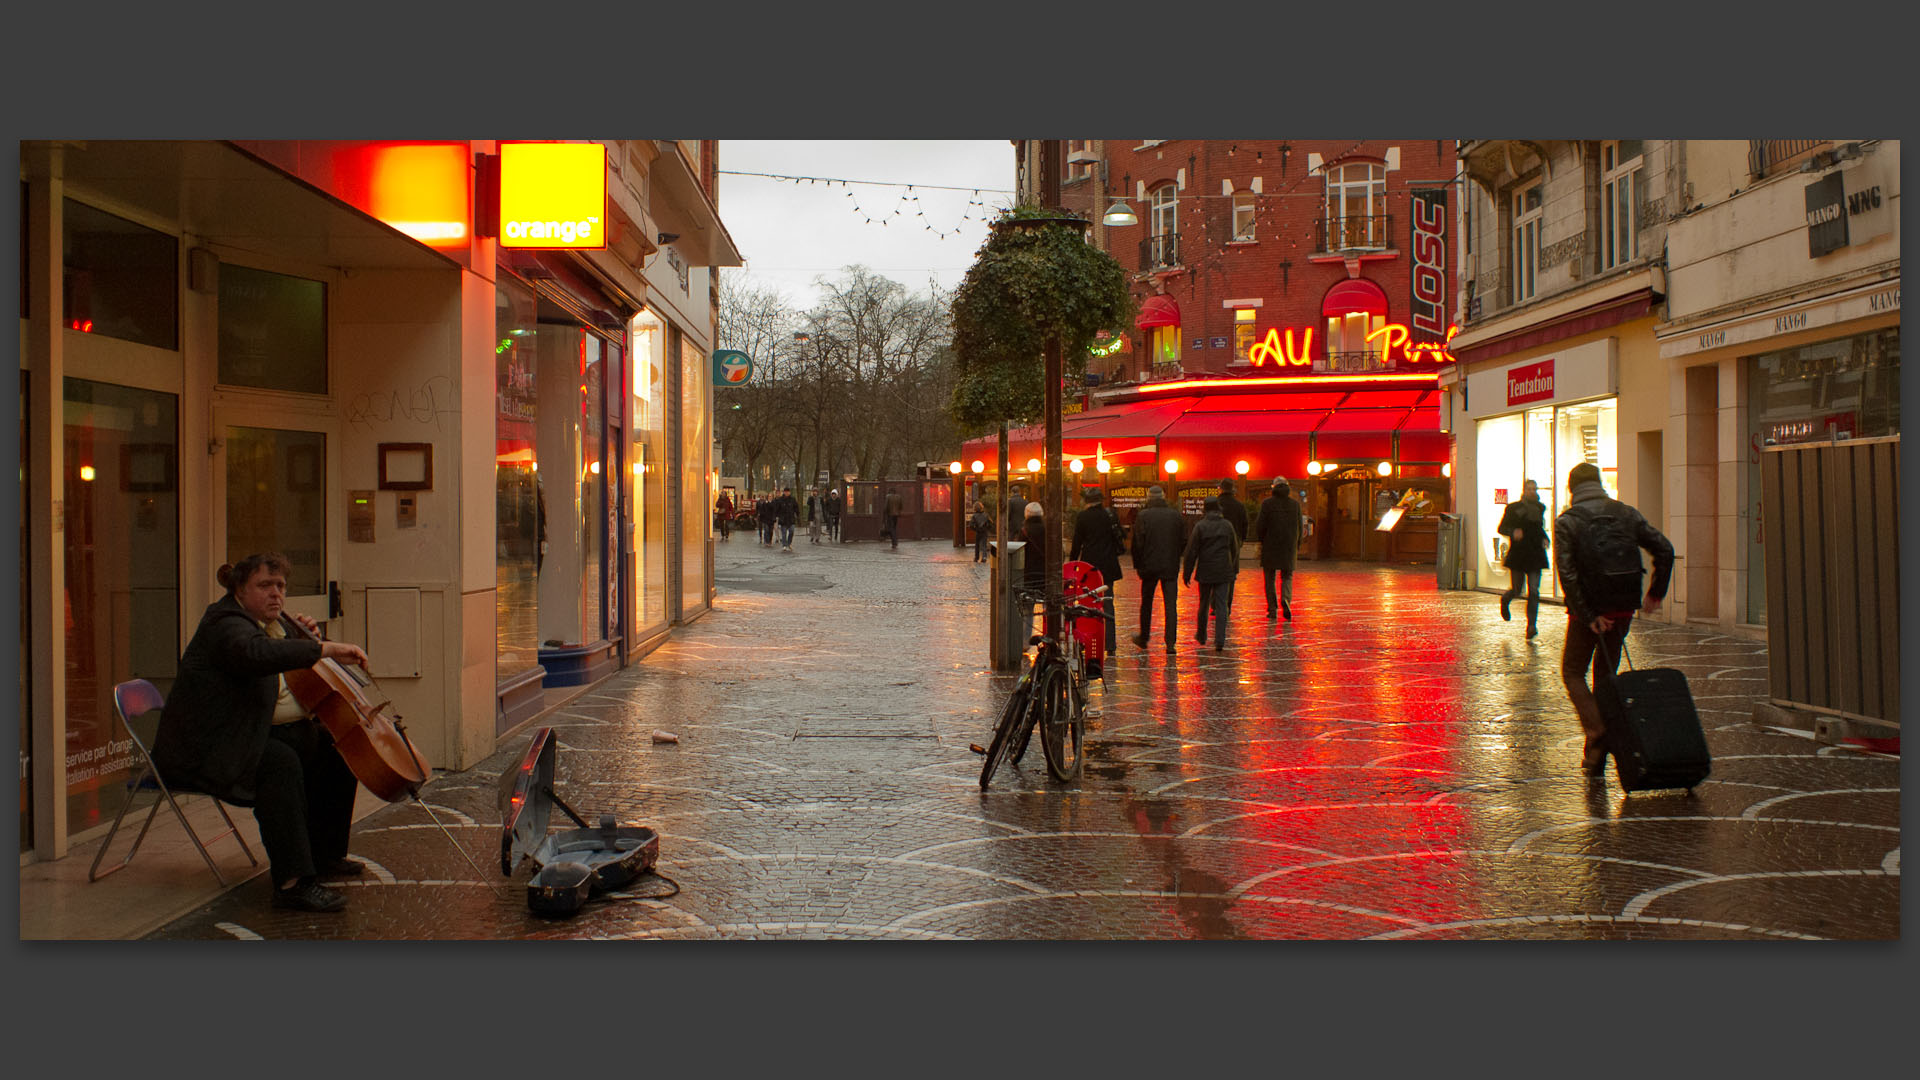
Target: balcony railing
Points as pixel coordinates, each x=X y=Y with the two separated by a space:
x=1367 y=360
x=1371 y=232
x=1158 y=251
x=1768 y=156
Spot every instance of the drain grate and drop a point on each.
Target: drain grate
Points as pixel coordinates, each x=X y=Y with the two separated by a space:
x=863 y=727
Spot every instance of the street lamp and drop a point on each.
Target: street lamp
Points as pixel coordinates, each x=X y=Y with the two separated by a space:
x=1241 y=466
x=979 y=466
x=1314 y=468
x=953 y=467
x=1077 y=466
x=1385 y=468
x=1033 y=464
x=1172 y=466
x=1102 y=465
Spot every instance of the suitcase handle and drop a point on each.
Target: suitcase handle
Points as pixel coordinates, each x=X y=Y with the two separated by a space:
x=1625 y=654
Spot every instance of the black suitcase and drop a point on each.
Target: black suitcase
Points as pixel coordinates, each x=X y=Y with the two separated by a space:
x=1653 y=730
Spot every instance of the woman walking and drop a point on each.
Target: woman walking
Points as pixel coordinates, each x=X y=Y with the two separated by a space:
x=1524 y=524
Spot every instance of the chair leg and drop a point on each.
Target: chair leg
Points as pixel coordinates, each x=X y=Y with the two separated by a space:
x=191 y=835
x=233 y=831
x=93 y=872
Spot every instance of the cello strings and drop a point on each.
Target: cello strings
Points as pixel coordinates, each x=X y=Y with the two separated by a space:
x=457 y=846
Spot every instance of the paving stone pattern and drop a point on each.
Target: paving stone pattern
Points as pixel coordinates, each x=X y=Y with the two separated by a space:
x=1396 y=762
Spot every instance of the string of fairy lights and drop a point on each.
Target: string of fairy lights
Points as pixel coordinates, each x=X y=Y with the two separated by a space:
x=906 y=204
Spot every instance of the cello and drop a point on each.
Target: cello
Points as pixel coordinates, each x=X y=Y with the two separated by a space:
x=370 y=738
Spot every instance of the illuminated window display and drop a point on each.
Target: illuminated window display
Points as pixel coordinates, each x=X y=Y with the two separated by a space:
x=1541 y=445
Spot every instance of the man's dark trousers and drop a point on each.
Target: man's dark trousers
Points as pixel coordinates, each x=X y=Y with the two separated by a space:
x=1168 y=594
x=303 y=800
x=1286 y=588
x=1218 y=596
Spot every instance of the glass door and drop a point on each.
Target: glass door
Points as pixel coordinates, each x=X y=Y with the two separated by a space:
x=274 y=497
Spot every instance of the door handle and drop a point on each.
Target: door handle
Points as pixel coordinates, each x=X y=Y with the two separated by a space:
x=334 y=609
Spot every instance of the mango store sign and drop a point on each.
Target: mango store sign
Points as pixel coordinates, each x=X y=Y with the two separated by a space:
x=553 y=195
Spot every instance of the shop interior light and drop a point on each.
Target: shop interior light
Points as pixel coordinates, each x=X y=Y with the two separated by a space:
x=1033 y=464
x=1077 y=465
x=1446 y=470
x=1102 y=465
x=1120 y=214
x=1172 y=466
x=953 y=467
x=593 y=467
x=979 y=466
x=86 y=473
x=1313 y=468
x=1385 y=468
x=1241 y=466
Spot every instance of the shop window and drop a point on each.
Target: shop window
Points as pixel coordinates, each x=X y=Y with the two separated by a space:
x=1527 y=213
x=696 y=483
x=1619 y=202
x=122 y=280
x=1243 y=214
x=1163 y=345
x=273 y=331
x=646 y=353
x=520 y=506
x=1356 y=207
x=1243 y=334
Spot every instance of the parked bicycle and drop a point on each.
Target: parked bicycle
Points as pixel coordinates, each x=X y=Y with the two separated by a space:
x=1051 y=694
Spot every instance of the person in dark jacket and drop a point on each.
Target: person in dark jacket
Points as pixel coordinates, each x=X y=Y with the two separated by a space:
x=231 y=730
x=1595 y=637
x=835 y=504
x=1158 y=535
x=982 y=526
x=768 y=514
x=816 y=514
x=786 y=511
x=893 y=508
x=1233 y=510
x=1278 y=531
x=1212 y=557
x=1097 y=539
x=1034 y=532
x=1524 y=524
x=723 y=515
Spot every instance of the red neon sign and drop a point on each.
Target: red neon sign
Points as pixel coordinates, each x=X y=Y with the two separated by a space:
x=1394 y=341
x=1425 y=378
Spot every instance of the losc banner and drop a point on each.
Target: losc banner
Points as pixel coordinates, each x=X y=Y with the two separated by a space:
x=1429 y=246
x=731 y=367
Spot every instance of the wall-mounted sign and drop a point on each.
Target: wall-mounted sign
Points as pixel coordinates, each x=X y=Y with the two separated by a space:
x=1869 y=209
x=1429 y=261
x=1531 y=383
x=1826 y=215
x=1217 y=343
x=731 y=367
x=1394 y=342
x=553 y=195
x=1199 y=343
x=1579 y=373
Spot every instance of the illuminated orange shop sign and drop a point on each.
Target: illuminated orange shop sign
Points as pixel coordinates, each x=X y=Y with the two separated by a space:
x=1394 y=341
x=553 y=195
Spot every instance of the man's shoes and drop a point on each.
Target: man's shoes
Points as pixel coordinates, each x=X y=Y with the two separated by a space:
x=1170 y=648
x=342 y=868
x=1285 y=610
x=1272 y=614
x=1506 y=613
x=1533 y=631
x=308 y=894
x=1593 y=758
x=1200 y=638
x=1219 y=646
x=1139 y=640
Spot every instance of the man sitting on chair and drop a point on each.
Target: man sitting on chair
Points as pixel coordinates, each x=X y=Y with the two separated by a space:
x=231 y=730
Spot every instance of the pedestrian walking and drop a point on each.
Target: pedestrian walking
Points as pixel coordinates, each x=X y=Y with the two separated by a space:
x=1099 y=539
x=1213 y=558
x=1034 y=532
x=893 y=507
x=816 y=514
x=1157 y=541
x=835 y=503
x=1278 y=529
x=723 y=513
x=1600 y=540
x=982 y=526
x=1524 y=524
x=1233 y=510
x=767 y=515
x=786 y=511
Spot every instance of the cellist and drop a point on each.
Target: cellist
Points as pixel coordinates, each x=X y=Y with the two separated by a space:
x=231 y=729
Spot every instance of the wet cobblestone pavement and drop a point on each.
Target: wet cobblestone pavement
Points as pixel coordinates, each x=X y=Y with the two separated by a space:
x=1395 y=763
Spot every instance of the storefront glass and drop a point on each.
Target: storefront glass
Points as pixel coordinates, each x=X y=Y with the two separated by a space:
x=593 y=490
x=696 y=483
x=1851 y=386
x=520 y=507
x=120 y=280
x=648 y=417
x=121 y=546
x=1541 y=445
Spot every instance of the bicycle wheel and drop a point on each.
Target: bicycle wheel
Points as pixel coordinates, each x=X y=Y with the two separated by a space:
x=1014 y=716
x=1060 y=730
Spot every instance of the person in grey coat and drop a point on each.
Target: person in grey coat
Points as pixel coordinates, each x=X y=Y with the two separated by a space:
x=1158 y=533
x=231 y=729
x=1277 y=529
x=1212 y=557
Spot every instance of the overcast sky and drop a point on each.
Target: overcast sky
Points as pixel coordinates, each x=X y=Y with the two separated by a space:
x=789 y=234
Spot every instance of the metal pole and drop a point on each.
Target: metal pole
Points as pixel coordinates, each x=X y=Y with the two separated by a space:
x=1002 y=606
x=1056 y=494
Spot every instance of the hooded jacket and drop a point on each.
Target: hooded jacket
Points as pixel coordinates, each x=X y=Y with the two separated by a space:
x=215 y=722
x=1213 y=551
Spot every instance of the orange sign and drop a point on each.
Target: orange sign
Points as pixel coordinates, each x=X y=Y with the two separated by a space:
x=553 y=195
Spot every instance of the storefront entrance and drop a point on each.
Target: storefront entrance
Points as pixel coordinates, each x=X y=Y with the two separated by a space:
x=1541 y=445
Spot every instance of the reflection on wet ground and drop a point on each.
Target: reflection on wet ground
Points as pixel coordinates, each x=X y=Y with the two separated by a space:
x=1395 y=762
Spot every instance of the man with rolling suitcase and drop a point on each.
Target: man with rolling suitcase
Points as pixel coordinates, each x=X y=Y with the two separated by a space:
x=1600 y=540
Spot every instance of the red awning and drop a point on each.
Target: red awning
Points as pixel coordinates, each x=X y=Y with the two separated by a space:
x=1354 y=295
x=1358 y=434
x=1158 y=311
x=1297 y=402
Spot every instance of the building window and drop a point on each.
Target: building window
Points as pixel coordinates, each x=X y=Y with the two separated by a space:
x=1243 y=336
x=1356 y=207
x=1077 y=162
x=1164 y=220
x=1163 y=345
x=1243 y=215
x=121 y=279
x=1526 y=241
x=273 y=331
x=1619 y=201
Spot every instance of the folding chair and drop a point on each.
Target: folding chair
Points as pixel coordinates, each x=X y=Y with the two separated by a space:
x=139 y=699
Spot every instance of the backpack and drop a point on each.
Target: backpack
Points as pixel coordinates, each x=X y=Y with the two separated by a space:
x=1608 y=558
x=1119 y=532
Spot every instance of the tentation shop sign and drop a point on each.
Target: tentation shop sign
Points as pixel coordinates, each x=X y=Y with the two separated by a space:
x=1394 y=341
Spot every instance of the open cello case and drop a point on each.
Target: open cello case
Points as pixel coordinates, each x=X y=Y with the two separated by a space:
x=572 y=865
